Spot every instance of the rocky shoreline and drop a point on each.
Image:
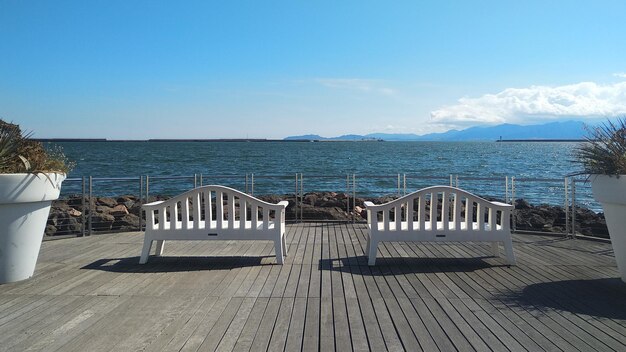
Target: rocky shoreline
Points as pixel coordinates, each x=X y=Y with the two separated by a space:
x=112 y=214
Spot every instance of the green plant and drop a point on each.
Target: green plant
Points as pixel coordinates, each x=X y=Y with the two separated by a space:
x=19 y=153
x=604 y=152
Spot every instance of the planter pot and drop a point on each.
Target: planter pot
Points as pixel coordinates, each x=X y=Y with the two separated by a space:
x=25 y=201
x=610 y=191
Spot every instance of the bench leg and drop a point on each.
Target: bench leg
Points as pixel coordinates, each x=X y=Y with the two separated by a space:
x=508 y=249
x=159 y=247
x=145 y=252
x=278 y=249
x=495 y=249
x=284 y=245
x=372 y=247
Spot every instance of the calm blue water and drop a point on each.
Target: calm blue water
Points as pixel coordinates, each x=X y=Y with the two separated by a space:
x=325 y=166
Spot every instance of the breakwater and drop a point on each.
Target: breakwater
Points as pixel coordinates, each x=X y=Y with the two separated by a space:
x=123 y=213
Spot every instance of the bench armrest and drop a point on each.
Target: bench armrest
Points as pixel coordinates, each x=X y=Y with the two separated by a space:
x=283 y=203
x=504 y=205
x=367 y=203
x=148 y=205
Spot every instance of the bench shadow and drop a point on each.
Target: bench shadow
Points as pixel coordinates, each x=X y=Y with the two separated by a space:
x=596 y=297
x=170 y=264
x=391 y=266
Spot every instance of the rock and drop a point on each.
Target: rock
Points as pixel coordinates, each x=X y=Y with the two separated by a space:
x=316 y=213
x=310 y=198
x=103 y=209
x=521 y=204
x=127 y=222
x=76 y=201
x=70 y=226
x=127 y=201
x=362 y=212
x=135 y=209
x=102 y=221
x=74 y=212
x=50 y=230
x=109 y=202
x=119 y=210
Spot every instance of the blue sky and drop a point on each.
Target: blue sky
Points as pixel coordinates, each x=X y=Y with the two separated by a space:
x=270 y=69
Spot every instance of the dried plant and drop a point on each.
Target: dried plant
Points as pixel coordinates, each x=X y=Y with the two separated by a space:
x=19 y=153
x=604 y=152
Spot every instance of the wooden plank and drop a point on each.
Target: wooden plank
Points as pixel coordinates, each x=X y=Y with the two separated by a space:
x=244 y=342
x=370 y=322
x=311 y=340
x=231 y=335
x=176 y=334
x=141 y=329
x=36 y=320
x=264 y=332
x=295 y=335
x=390 y=336
x=76 y=323
x=197 y=336
x=270 y=282
x=281 y=281
x=291 y=286
x=281 y=327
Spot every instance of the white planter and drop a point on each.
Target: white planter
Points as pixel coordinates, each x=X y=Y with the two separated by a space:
x=25 y=201
x=610 y=191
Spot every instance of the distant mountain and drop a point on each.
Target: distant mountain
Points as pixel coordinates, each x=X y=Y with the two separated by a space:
x=312 y=137
x=552 y=130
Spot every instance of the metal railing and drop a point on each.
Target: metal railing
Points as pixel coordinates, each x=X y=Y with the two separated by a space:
x=88 y=195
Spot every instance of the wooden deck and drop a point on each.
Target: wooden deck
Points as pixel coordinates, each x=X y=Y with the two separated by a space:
x=90 y=294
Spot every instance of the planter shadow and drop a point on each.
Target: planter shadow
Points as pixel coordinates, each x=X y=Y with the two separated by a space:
x=598 y=297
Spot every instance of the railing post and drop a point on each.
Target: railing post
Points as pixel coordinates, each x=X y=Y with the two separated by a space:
x=147 y=189
x=195 y=181
x=140 y=202
x=297 y=199
x=457 y=181
x=513 y=202
x=201 y=182
x=348 y=195
x=399 y=186
x=353 y=194
x=252 y=184
x=573 y=207
x=404 y=184
x=451 y=184
x=566 y=191
x=83 y=217
x=506 y=189
x=89 y=220
x=247 y=183
x=301 y=196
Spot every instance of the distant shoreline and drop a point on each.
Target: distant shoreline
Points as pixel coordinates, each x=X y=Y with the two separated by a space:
x=257 y=140
x=541 y=140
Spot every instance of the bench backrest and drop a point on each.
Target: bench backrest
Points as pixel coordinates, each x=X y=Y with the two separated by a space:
x=214 y=207
x=451 y=206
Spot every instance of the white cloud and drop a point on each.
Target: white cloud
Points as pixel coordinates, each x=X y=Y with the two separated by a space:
x=537 y=103
x=620 y=74
x=364 y=85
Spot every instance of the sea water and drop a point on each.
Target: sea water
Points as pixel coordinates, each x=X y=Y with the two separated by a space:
x=374 y=168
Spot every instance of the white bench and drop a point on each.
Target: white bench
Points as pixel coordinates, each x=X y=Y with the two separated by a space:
x=214 y=213
x=448 y=219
